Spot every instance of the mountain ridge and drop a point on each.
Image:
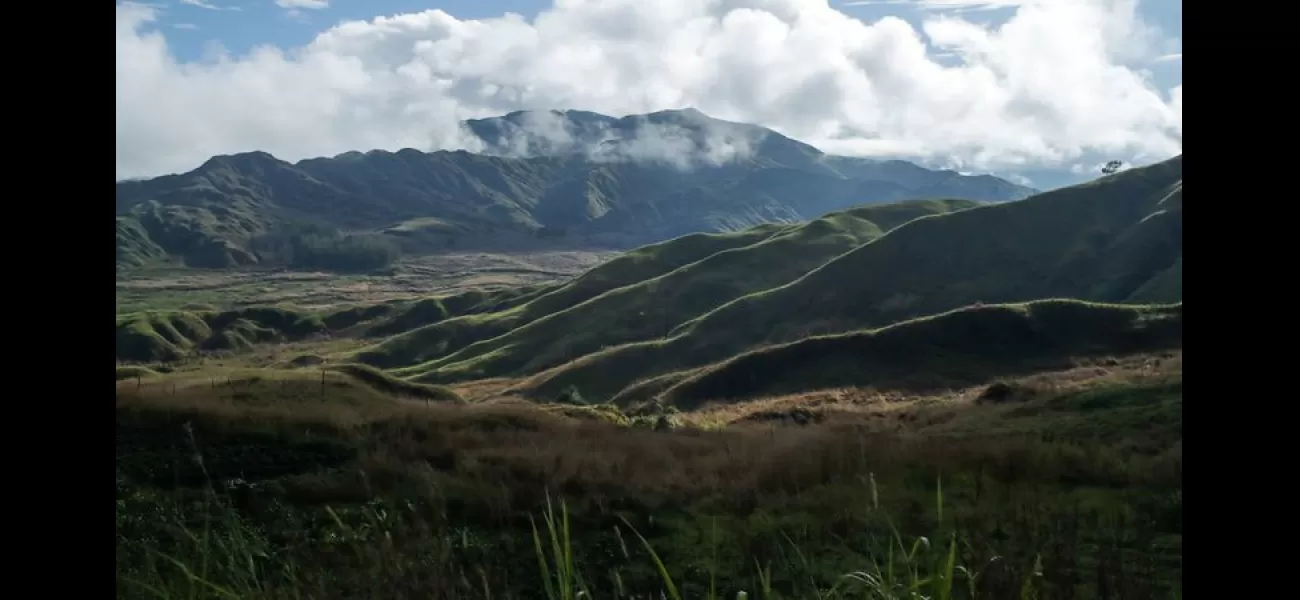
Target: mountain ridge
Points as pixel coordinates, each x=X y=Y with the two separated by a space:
x=601 y=181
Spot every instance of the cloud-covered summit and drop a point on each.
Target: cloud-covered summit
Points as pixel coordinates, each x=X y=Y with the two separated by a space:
x=684 y=138
x=1058 y=81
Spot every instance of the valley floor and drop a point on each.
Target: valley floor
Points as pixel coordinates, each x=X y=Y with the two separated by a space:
x=414 y=277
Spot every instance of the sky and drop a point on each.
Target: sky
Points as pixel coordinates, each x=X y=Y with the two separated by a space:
x=1039 y=91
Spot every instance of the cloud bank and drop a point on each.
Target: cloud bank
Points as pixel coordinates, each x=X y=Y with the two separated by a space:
x=1059 y=80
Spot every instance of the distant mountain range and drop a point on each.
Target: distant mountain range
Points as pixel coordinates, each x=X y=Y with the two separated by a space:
x=582 y=177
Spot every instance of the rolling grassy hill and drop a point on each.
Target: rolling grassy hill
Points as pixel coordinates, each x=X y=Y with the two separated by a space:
x=967 y=346
x=170 y=335
x=568 y=323
x=1117 y=239
x=600 y=180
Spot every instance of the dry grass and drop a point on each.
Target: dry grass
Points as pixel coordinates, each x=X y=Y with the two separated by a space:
x=473 y=473
x=272 y=355
x=487 y=390
x=865 y=405
x=503 y=441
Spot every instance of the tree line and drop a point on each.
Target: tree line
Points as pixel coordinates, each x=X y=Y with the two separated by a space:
x=303 y=245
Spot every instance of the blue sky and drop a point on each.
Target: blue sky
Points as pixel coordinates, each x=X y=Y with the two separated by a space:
x=238 y=25
x=1043 y=71
x=241 y=24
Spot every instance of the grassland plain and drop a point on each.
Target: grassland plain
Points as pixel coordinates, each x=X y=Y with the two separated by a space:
x=414 y=277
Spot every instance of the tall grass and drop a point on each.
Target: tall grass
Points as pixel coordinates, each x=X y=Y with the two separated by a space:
x=226 y=558
x=504 y=504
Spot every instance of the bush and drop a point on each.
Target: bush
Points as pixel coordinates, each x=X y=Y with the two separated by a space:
x=571 y=396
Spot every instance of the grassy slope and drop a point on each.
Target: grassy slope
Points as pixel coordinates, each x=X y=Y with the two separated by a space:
x=651 y=307
x=134 y=248
x=1102 y=241
x=437 y=339
x=158 y=336
x=962 y=347
x=170 y=335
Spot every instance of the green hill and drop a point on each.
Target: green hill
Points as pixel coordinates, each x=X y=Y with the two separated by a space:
x=169 y=335
x=647 y=304
x=963 y=347
x=159 y=336
x=357 y=211
x=439 y=337
x=1113 y=240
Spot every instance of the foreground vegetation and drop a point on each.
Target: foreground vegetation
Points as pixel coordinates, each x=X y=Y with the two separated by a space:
x=248 y=489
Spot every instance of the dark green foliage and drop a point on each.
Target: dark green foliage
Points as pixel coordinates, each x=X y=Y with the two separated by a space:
x=570 y=396
x=160 y=449
x=316 y=246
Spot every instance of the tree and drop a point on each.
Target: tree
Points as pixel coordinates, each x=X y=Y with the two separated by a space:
x=1112 y=167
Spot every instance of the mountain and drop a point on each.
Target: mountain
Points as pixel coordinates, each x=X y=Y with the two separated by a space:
x=580 y=176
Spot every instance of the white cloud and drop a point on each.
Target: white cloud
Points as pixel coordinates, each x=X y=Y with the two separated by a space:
x=945 y=4
x=1174 y=57
x=1047 y=87
x=202 y=4
x=664 y=143
x=307 y=4
x=1021 y=179
x=185 y=26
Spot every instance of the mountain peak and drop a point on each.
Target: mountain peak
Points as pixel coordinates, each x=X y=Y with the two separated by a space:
x=681 y=136
x=241 y=160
